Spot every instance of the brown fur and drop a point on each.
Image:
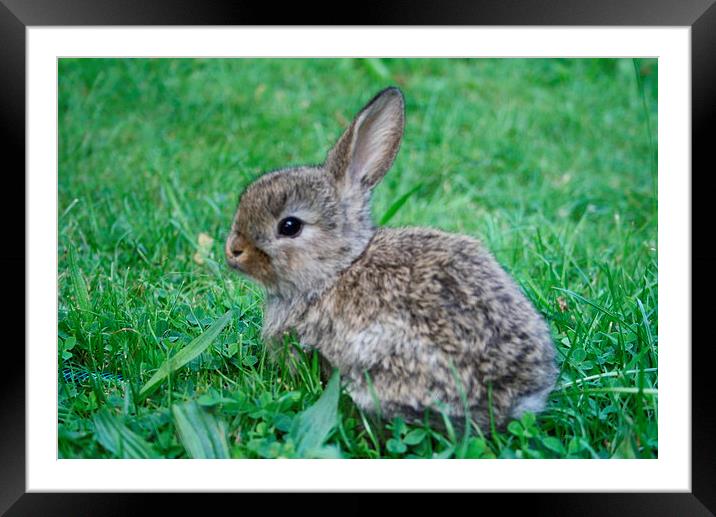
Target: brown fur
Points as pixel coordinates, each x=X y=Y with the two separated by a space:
x=413 y=318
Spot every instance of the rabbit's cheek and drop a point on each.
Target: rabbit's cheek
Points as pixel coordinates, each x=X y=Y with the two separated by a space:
x=293 y=259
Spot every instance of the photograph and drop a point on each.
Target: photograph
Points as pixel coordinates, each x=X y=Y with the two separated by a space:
x=357 y=258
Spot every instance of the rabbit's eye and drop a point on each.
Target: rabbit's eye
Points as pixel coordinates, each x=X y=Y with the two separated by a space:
x=289 y=227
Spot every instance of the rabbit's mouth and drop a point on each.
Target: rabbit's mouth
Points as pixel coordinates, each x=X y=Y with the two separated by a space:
x=235 y=265
x=252 y=268
x=248 y=259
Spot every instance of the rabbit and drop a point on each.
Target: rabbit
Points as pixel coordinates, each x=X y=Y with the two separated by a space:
x=416 y=320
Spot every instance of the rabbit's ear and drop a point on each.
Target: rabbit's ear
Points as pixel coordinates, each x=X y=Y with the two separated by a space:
x=366 y=150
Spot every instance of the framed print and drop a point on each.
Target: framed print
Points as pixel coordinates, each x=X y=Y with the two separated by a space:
x=560 y=140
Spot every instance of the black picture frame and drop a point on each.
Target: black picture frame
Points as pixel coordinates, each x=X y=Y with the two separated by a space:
x=17 y=15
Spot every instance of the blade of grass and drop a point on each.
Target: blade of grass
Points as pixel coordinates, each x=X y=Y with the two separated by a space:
x=376 y=67
x=647 y=120
x=625 y=389
x=117 y=438
x=606 y=374
x=645 y=324
x=598 y=307
x=186 y=354
x=312 y=427
x=79 y=286
x=202 y=434
x=180 y=221
x=398 y=204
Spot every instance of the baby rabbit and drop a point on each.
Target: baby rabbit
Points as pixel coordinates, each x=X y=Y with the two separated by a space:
x=413 y=318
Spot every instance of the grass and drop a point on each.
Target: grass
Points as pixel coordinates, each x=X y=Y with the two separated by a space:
x=551 y=162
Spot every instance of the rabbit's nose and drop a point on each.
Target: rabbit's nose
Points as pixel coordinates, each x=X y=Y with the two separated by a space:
x=234 y=247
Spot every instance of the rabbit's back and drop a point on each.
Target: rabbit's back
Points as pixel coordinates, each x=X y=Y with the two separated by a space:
x=431 y=317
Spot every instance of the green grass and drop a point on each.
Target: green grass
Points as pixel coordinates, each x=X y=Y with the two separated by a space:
x=551 y=162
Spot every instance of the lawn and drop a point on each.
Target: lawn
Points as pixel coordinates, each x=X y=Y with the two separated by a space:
x=551 y=162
